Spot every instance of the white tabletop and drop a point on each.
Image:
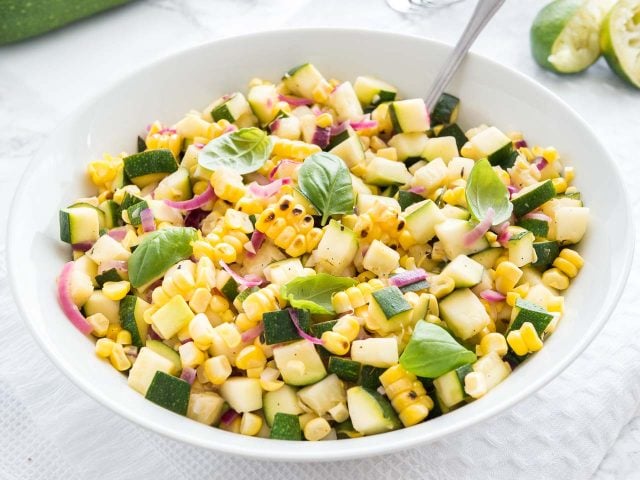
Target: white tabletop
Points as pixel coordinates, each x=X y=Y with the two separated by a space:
x=45 y=79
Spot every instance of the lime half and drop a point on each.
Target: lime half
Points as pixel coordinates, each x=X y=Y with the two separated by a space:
x=565 y=34
x=620 y=40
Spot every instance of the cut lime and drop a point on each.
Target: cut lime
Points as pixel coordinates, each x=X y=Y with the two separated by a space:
x=565 y=34
x=620 y=40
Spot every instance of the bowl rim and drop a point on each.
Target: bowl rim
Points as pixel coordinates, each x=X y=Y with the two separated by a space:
x=354 y=448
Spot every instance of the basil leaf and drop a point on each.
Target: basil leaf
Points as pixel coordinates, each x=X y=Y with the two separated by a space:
x=485 y=190
x=243 y=151
x=325 y=180
x=314 y=293
x=432 y=352
x=159 y=251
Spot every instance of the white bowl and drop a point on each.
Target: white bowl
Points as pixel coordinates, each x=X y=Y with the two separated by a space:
x=167 y=89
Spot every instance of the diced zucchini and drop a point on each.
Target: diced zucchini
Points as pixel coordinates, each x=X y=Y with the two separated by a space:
x=345 y=102
x=344 y=368
x=132 y=310
x=456 y=132
x=546 y=253
x=540 y=228
x=406 y=198
x=493 y=367
x=263 y=100
x=446 y=110
x=324 y=395
x=286 y=427
x=409 y=145
x=527 y=311
x=243 y=394
x=487 y=258
x=570 y=224
x=144 y=368
x=167 y=352
x=421 y=220
x=451 y=233
x=98 y=302
x=149 y=166
x=230 y=107
x=494 y=145
x=317 y=329
x=284 y=271
x=531 y=197
x=450 y=386
x=377 y=352
x=205 y=407
x=337 y=248
x=431 y=176
x=279 y=328
x=381 y=259
x=303 y=80
x=283 y=400
x=110 y=275
x=175 y=187
x=371 y=91
x=169 y=392
x=134 y=211
x=349 y=149
x=366 y=202
x=299 y=363
x=465 y=271
x=79 y=225
x=440 y=147
x=370 y=376
x=106 y=248
x=520 y=246
x=381 y=171
x=111 y=213
x=370 y=412
x=172 y=317
x=409 y=116
x=464 y=313
x=449 y=211
x=388 y=308
x=230 y=289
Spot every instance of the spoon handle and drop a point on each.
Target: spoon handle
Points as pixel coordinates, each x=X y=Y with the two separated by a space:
x=484 y=11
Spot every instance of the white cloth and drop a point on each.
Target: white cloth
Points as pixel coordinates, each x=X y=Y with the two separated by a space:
x=49 y=429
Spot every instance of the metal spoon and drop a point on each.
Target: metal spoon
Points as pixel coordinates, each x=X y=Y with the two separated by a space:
x=484 y=11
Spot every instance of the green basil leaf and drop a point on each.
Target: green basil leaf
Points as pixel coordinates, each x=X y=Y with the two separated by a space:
x=325 y=180
x=485 y=190
x=243 y=151
x=314 y=293
x=158 y=252
x=432 y=352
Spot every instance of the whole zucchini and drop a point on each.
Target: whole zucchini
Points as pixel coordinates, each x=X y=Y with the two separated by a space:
x=20 y=19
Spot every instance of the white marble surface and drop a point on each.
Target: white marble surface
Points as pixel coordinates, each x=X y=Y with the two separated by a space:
x=45 y=79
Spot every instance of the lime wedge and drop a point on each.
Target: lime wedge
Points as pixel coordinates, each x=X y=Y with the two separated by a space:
x=620 y=40
x=565 y=34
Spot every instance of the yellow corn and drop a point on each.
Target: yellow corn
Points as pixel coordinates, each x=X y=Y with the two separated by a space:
x=512 y=297
x=475 y=384
x=569 y=174
x=507 y=276
x=572 y=256
x=335 y=342
x=316 y=429
x=250 y=424
x=348 y=326
x=190 y=355
x=339 y=412
x=560 y=184
x=565 y=266
x=494 y=342
x=554 y=278
x=201 y=331
x=441 y=285
x=200 y=300
x=112 y=331
x=123 y=337
x=556 y=304
x=118 y=358
x=324 y=120
x=269 y=380
x=249 y=205
x=251 y=357
x=104 y=346
x=100 y=324
x=407 y=395
x=217 y=369
x=530 y=337
x=377 y=144
x=517 y=344
x=116 y=290
x=389 y=153
x=455 y=196
x=229 y=334
x=294 y=149
x=228 y=184
x=321 y=93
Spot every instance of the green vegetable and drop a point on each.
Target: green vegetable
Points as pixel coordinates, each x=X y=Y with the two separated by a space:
x=169 y=392
x=158 y=251
x=243 y=151
x=20 y=19
x=485 y=191
x=286 y=427
x=325 y=180
x=314 y=293
x=432 y=351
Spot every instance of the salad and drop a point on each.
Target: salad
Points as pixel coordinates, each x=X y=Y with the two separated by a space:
x=320 y=259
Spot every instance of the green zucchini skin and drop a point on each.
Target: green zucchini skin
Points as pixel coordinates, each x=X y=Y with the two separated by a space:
x=20 y=19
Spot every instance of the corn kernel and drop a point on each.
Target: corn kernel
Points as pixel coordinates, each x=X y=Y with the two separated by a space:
x=123 y=337
x=190 y=355
x=572 y=256
x=389 y=153
x=348 y=326
x=116 y=290
x=560 y=184
x=494 y=342
x=530 y=337
x=229 y=334
x=118 y=358
x=200 y=299
x=100 y=324
x=569 y=174
x=566 y=267
x=316 y=429
x=251 y=357
x=475 y=384
x=555 y=304
x=335 y=342
x=516 y=342
x=512 y=297
x=217 y=369
x=339 y=412
x=104 y=346
x=324 y=120
x=250 y=424
x=554 y=278
x=112 y=331
x=441 y=285
x=413 y=414
x=201 y=331
x=507 y=276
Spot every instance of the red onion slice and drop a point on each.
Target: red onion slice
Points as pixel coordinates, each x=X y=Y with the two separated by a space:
x=66 y=302
x=148 y=223
x=480 y=229
x=520 y=144
x=268 y=190
x=119 y=265
x=338 y=129
x=295 y=101
x=321 y=137
x=364 y=124
x=538 y=216
x=301 y=332
x=248 y=281
x=492 y=296
x=229 y=416
x=118 y=233
x=252 y=333
x=188 y=375
x=417 y=189
x=540 y=163
x=82 y=246
x=407 y=278
x=196 y=202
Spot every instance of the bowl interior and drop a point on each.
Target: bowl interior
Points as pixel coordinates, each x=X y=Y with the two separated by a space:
x=166 y=90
